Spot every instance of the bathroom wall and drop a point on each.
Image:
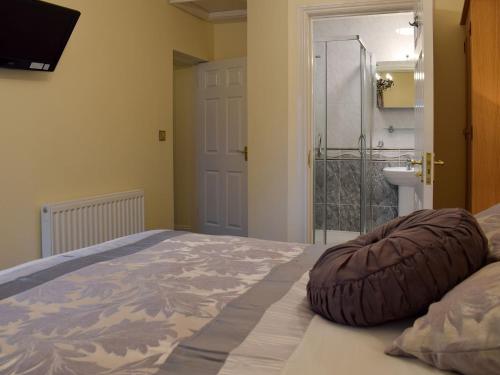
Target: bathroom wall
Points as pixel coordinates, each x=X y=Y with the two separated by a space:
x=341 y=197
x=378 y=34
x=403 y=122
x=338 y=119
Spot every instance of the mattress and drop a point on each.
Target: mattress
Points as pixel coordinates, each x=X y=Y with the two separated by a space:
x=166 y=302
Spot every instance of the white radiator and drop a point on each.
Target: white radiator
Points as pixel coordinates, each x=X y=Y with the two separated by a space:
x=75 y=224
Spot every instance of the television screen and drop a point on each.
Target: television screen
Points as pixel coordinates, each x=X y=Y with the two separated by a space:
x=34 y=33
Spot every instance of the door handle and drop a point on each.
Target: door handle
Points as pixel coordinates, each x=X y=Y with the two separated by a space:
x=361 y=144
x=244 y=152
x=439 y=162
x=419 y=172
x=320 y=141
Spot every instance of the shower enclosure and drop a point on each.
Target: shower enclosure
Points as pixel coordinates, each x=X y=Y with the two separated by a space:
x=343 y=105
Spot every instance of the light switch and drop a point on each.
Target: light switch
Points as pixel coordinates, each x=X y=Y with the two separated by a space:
x=162 y=135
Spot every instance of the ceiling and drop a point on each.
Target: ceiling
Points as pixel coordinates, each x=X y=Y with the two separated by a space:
x=214 y=10
x=221 y=5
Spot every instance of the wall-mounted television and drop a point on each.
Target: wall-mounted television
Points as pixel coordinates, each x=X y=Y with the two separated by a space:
x=34 y=33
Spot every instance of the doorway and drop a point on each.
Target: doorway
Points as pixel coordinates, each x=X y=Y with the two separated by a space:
x=210 y=146
x=184 y=142
x=421 y=156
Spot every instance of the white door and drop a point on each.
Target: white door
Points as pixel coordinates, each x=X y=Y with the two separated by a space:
x=222 y=152
x=424 y=124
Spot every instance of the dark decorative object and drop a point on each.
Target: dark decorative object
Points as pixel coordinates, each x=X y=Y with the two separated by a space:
x=34 y=33
x=382 y=85
x=397 y=270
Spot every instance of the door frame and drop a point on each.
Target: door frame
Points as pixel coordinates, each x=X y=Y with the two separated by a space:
x=306 y=15
x=181 y=59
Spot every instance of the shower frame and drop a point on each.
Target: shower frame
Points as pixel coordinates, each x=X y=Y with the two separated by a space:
x=365 y=148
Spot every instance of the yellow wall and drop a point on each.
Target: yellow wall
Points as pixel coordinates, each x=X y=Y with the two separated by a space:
x=185 y=148
x=450 y=104
x=267 y=119
x=273 y=89
x=91 y=127
x=230 y=40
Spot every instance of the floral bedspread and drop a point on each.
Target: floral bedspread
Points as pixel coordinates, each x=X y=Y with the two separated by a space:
x=124 y=314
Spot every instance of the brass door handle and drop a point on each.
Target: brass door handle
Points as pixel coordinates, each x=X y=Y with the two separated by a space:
x=244 y=152
x=438 y=162
x=415 y=162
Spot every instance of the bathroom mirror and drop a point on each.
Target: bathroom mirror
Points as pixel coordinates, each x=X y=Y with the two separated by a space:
x=395 y=84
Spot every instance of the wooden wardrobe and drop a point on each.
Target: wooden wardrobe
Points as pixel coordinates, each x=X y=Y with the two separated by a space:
x=482 y=21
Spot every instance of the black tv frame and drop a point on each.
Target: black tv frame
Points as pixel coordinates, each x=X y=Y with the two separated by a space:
x=18 y=63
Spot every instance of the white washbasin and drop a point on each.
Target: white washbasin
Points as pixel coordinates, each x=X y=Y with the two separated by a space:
x=406 y=180
x=400 y=176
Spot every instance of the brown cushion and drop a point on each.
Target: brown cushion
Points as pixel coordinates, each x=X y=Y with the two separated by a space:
x=397 y=270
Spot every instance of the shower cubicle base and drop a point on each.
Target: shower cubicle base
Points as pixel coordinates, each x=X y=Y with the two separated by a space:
x=334 y=237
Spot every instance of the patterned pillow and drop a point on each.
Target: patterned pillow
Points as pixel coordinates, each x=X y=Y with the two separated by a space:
x=489 y=221
x=461 y=332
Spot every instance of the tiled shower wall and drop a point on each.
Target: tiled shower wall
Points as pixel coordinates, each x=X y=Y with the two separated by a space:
x=340 y=199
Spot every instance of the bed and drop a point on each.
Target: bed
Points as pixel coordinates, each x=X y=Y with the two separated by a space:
x=167 y=302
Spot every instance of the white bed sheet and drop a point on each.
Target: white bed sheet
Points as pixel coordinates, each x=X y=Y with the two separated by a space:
x=333 y=349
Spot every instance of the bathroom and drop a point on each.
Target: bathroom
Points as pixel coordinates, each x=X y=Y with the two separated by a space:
x=364 y=116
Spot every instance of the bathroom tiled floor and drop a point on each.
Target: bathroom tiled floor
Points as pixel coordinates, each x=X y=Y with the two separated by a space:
x=334 y=237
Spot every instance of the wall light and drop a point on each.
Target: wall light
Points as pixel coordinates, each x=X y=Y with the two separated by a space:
x=405 y=31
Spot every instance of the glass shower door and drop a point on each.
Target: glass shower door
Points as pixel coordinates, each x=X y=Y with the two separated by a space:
x=342 y=91
x=367 y=69
x=320 y=139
